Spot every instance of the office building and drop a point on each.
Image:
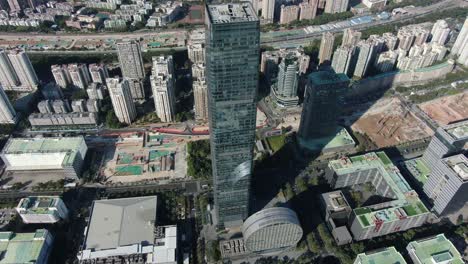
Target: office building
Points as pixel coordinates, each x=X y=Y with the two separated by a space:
x=136 y=88
x=99 y=73
x=79 y=75
x=366 y=54
x=271 y=231
x=285 y=90
x=268 y=10
x=288 y=14
x=336 y=6
x=447 y=184
x=32 y=247
x=130 y=59
x=24 y=71
x=200 y=94
x=125 y=230
x=326 y=48
x=308 y=10
x=163 y=85
x=42 y=210
x=382 y=256
x=401 y=211
x=122 y=100
x=322 y=100
x=95 y=91
x=51 y=91
x=56 y=154
x=78 y=106
x=344 y=60
x=351 y=37
x=436 y=249
x=386 y=61
x=440 y=32
x=7 y=112
x=233 y=49
x=460 y=47
x=61 y=75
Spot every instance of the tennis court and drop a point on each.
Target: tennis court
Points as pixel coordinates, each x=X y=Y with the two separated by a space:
x=129 y=170
x=124 y=158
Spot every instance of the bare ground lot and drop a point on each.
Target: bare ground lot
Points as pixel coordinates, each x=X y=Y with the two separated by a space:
x=447 y=109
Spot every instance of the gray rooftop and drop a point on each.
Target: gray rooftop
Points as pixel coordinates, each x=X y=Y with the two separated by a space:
x=231 y=13
x=121 y=222
x=326 y=77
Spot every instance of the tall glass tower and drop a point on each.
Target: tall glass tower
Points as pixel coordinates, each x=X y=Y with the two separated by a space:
x=232 y=63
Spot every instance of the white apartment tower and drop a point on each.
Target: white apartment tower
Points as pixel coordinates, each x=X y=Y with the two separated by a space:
x=200 y=94
x=326 y=47
x=289 y=14
x=336 y=6
x=99 y=73
x=79 y=75
x=351 y=37
x=24 y=70
x=460 y=48
x=268 y=10
x=7 y=112
x=343 y=60
x=131 y=61
x=122 y=100
x=308 y=10
x=162 y=85
x=8 y=77
x=61 y=75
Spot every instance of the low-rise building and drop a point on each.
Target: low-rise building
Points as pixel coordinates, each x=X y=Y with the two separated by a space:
x=337 y=212
x=26 y=247
x=42 y=210
x=381 y=256
x=437 y=249
x=65 y=121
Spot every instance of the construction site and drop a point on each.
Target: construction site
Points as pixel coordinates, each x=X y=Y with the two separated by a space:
x=448 y=109
x=141 y=156
x=389 y=122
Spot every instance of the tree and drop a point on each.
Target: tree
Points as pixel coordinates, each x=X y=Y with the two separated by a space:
x=112 y=121
x=313 y=244
x=288 y=191
x=409 y=235
x=79 y=94
x=199 y=159
x=301 y=184
x=212 y=251
x=357 y=247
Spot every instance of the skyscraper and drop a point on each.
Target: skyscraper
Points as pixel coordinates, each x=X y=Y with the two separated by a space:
x=460 y=47
x=7 y=112
x=24 y=70
x=326 y=47
x=130 y=59
x=79 y=75
x=163 y=85
x=440 y=32
x=268 y=10
x=288 y=14
x=308 y=10
x=320 y=112
x=366 y=54
x=61 y=75
x=8 y=77
x=121 y=98
x=336 y=6
x=285 y=90
x=344 y=60
x=350 y=37
x=232 y=51
x=98 y=72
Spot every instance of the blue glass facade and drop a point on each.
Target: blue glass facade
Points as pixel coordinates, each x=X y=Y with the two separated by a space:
x=232 y=63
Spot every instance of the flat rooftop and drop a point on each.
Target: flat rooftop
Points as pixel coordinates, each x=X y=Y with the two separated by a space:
x=326 y=77
x=231 y=13
x=121 y=222
x=459 y=165
x=458 y=130
x=21 y=248
x=383 y=256
x=437 y=249
x=42 y=145
x=335 y=201
x=38 y=204
x=407 y=202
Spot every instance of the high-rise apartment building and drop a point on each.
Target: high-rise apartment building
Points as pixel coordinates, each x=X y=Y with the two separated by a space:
x=351 y=37
x=95 y=91
x=200 y=94
x=285 y=90
x=130 y=59
x=322 y=100
x=122 y=100
x=196 y=46
x=198 y=71
x=344 y=60
x=288 y=14
x=61 y=75
x=61 y=106
x=79 y=75
x=406 y=39
x=366 y=55
x=163 y=85
x=232 y=51
x=24 y=71
x=8 y=77
x=391 y=41
x=440 y=32
x=136 y=89
x=268 y=10
x=336 y=6
x=7 y=112
x=326 y=47
x=99 y=73
x=386 y=61
x=308 y=10
x=460 y=47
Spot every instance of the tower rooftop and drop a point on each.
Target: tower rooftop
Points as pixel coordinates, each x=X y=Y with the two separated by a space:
x=231 y=13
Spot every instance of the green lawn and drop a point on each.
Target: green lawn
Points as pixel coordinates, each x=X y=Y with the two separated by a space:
x=276 y=142
x=384 y=158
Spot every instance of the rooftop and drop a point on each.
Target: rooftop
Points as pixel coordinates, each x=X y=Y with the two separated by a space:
x=21 y=248
x=335 y=201
x=458 y=130
x=326 y=77
x=406 y=202
x=121 y=222
x=231 y=13
x=38 y=204
x=383 y=256
x=437 y=249
x=459 y=165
